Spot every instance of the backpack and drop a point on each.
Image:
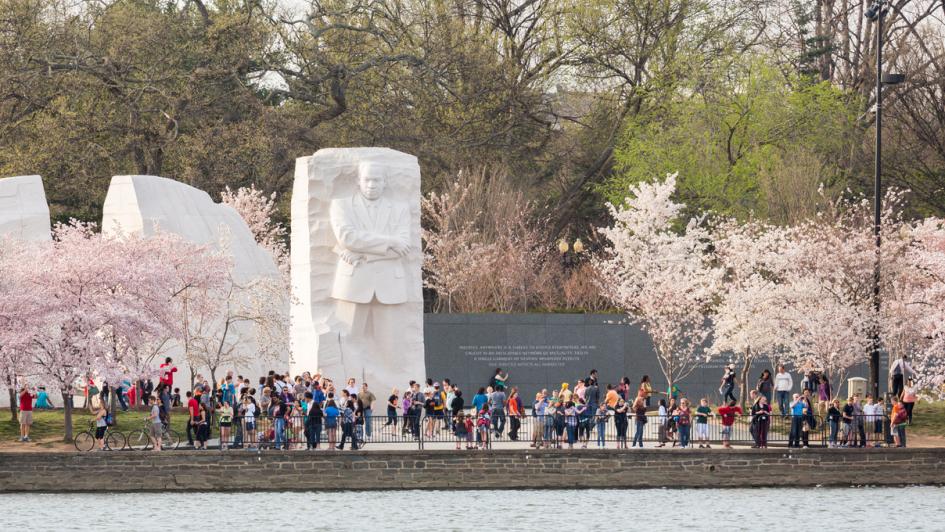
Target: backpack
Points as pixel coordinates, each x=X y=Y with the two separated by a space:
x=110 y=419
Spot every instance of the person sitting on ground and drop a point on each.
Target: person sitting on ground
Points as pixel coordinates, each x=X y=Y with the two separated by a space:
x=42 y=399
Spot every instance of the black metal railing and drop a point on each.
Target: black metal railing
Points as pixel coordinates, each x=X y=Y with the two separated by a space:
x=299 y=432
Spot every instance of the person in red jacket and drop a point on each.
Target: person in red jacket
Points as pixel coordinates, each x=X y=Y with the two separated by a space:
x=26 y=412
x=728 y=414
x=168 y=369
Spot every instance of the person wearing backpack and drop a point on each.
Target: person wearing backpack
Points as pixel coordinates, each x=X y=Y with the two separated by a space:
x=313 y=423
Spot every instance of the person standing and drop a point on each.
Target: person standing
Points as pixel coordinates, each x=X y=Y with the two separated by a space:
x=313 y=423
x=202 y=422
x=600 y=420
x=26 y=412
x=645 y=390
x=621 y=422
x=766 y=385
x=225 y=413
x=663 y=421
x=347 y=426
x=833 y=421
x=168 y=369
x=728 y=413
x=703 y=411
x=101 y=424
x=898 y=373
x=859 y=421
x=331 y=422
x=497 y=405
x=193 y=411
x=639 y=418
x=760 y=412
x=367 y=397
x=728 y=384
x=515 y=413
x=909 y=397
x=684 y=422
x=783 y=386
x=898 y=418
x=499 y=380
x=156 y=427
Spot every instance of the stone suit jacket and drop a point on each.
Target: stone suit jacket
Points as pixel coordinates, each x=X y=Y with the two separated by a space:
x=380 y=272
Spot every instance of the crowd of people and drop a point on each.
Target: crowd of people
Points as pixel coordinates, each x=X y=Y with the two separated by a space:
x=279 y=410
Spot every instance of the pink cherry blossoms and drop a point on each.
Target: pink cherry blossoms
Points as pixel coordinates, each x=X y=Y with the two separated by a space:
x=801 y=294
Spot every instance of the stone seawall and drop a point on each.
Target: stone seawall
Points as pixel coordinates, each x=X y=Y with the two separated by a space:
x=275 y=470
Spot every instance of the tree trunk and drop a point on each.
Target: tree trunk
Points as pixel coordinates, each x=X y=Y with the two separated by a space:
x=12 y=392
x=67 y=417
x=743 y=386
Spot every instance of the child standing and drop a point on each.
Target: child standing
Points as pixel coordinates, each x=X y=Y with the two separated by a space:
x=728 y=414
x=483 y=424
x=459 y=429
x=470 y=429
x=703 y=411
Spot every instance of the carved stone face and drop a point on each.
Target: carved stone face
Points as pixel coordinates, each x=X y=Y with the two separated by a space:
x=372 y=180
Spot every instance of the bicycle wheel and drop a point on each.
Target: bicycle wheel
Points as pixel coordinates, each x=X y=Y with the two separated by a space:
x=138 y=440
x=114 y=440
x=170 y=440
x=84 y=441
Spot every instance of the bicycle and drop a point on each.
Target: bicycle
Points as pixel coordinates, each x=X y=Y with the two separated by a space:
x=85 y=441
x=140 y=439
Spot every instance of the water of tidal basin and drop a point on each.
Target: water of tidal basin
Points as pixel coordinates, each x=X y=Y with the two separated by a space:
x=907 y=508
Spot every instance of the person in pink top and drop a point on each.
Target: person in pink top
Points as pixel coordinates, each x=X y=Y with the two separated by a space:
x=909 y=398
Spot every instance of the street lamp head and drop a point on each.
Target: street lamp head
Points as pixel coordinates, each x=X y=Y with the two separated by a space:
x=877 y=9
x=893 y=79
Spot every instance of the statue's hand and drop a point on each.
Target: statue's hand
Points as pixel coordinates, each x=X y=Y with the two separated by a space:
x=351 y=258
x=400 y=248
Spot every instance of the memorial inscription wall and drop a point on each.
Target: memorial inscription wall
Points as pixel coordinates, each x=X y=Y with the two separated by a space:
x=543 y=350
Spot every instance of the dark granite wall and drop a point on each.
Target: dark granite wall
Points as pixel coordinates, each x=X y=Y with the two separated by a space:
x=543 y=350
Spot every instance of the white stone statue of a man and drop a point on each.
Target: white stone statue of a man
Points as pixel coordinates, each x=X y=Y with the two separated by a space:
x=373 y=238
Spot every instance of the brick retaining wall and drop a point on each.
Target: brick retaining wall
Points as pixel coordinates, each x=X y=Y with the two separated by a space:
x=275 y=470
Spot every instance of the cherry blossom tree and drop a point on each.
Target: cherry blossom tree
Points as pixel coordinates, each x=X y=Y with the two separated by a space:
x=453 y=253
x=22 y=306
x=917 y=315
x=753 y=297
x=258 y=211
x=661 y=276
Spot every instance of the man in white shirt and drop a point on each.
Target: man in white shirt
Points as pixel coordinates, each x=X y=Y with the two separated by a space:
x=898 y=373
x=783 y=385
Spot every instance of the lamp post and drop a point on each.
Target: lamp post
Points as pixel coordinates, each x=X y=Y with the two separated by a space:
x=875 y=14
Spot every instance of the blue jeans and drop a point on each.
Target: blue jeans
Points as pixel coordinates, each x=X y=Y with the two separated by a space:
x=367 y=422
x=783 y=402
x=498 y=421
x=834 y=427
x=120 y=393
x=601 y=429
x=572 y=434
x=279 y=428
x=638 y=434
x=684 y=435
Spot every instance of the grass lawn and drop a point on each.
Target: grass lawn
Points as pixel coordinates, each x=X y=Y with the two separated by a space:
x=928 y=419
x=49 y=423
